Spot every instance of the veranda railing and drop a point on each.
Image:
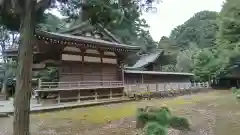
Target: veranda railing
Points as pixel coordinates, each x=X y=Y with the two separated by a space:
x=164 y=86
x=78 y=84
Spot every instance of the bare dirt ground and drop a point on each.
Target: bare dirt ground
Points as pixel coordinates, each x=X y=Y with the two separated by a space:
x=213 y=113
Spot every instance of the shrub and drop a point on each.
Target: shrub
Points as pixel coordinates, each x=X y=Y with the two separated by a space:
x=234 y=90
x=156 y=109
x=163 y=117
x=237 y=94
x=157 y=120
x=179 y=123
x=144 y=117
x=153 y=128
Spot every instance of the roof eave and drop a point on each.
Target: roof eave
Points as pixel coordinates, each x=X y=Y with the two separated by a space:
x=102 y=42
x=157 y=73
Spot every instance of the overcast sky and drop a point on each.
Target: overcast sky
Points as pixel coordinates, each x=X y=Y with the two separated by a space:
x=172 y=13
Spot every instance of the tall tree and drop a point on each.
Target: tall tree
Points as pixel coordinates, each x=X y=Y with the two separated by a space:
x=185 y=59
x=23 y=16
x=51 y=23
x=7 y=39
x=4 y=37
x=228 y=37
x=200 y=29
x=121 y=17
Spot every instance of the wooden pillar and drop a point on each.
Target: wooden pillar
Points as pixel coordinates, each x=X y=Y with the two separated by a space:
x=122 y=71
x=82 y=65
x=123 y=94
x=79 y=96
x=101 y=66
x=39 y=83
x=96 y=95
x=38 y=93
x=142 y=79
x=110 y=96
x=148 y=89
x=58 y=98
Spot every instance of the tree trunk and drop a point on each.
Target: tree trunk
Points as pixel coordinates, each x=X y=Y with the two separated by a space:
x=24 y=71
x=4 y=84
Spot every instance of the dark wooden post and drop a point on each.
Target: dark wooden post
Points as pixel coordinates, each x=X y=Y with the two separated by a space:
x=101 y=56
x=24 y=70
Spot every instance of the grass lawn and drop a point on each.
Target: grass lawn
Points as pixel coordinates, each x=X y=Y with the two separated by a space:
x=210 y=113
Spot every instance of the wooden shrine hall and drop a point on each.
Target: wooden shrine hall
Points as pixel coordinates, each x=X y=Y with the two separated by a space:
x=89 y=60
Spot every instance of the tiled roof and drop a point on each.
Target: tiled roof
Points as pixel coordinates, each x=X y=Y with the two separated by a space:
x=146 y=59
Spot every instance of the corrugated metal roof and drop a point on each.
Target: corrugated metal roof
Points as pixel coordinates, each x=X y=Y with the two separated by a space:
x=157 y=72
x=146 y=59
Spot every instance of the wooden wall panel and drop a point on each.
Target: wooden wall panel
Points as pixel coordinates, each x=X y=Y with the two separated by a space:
x=92 y=72
x=154 y=79
x=70 y=71
x=70 y=57
x=109 y=72
x=109 y=60
x=92 y=59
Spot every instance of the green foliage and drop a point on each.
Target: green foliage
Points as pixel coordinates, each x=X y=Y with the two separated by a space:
x=200 y=29
x=179 y=123
x=228 y=35
x=194 y=47
x=216 y=37
x=236 y=93
x=185 y=59
x=50 y=74
x=122 y=18
x=157 y=120
x=171 y=50
x=153 y=128
x=10 y=13
x=234 y=90
x=229 y=24
x=51 y=23
x=169 y=68
x=162 y=117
